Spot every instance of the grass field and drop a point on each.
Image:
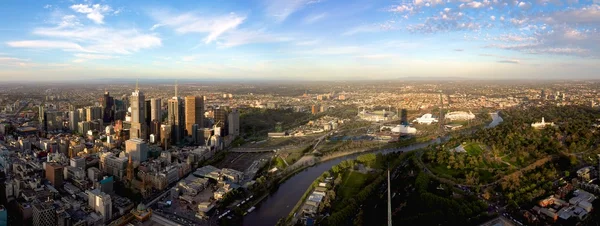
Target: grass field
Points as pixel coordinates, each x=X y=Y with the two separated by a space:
x=352 y=183
x=278 y=162
x=473 y=149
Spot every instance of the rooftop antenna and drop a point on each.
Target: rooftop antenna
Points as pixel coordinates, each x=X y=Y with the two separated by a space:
x=137 y=84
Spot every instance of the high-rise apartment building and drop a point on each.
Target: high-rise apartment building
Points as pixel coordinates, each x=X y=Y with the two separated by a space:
x=194 y=113
x=155 y=110
x=55 y=174
x=138 y=106
x=234 y=122
x=108 y=108
x=221 y=117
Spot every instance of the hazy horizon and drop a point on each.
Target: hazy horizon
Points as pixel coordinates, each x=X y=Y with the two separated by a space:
x=299 y=40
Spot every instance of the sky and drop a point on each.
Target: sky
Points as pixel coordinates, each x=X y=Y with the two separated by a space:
x=299 y=39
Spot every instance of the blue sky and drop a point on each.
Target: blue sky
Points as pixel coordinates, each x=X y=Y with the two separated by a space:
x=299 y=39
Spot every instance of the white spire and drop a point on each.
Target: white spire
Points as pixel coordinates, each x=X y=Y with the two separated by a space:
x=543 y=122
x=137 y=86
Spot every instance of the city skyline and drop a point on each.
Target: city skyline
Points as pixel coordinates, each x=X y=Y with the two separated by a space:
x=300 y=40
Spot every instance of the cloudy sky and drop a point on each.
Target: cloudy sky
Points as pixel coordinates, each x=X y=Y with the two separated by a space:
x=299 y=39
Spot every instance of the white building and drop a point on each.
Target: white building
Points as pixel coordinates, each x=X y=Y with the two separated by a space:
x=426 y=119
x=137 y=149
x=100 y=202
x=542 y=124
x=459 y=115
x=404 y=129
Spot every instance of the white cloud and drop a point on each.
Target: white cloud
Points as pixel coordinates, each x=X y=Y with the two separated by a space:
x=338 y=50
x=11 y=61
x=243 y=37
x=524 y=5
x=369 y=28
x=93 y=56
x=473 y=5
x=69 y=21
x=191 y=23
x=281 y=10
x=307 y=43
x=509 y=61
x=93 y=12
x=46 y=44
x=401 y=9
x=154 y=27
x=492 y=18
x=314 y=18
x=584 y=15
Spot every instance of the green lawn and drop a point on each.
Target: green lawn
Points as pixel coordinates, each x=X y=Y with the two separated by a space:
x=278 y=162
x=441 y=169
x=352 y=183
x=473 y=149
x=294 y=156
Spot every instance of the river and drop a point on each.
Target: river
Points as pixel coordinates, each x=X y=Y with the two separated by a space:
x=280 y=203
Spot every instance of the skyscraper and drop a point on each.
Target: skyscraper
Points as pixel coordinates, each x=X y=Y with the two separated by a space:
x=73 y=120
x=138 y=105
x=43 y=118
x=234 y=122
x=176 y=117
x=93 y=113
x=155 y=110
x=147 y=113
x=194 y=113
x=107 y=105
x=221 y=117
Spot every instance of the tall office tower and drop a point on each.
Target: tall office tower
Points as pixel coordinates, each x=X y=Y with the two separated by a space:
x=221 y=121
x=108 y=103
x=100 y=202
x=41 y=112
x=93 y=113
x=176 y=117
x=44 y=214
x=82 y=114
x=155 y=129
x=54 y=173
x=138 y=105
x=73 y=120
x=194 y=113
x=234 y=122
x=165 y=135
x=137 y=149
x=194 y=134
x=43 y=118
x=155 y=110
x=147 y=113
